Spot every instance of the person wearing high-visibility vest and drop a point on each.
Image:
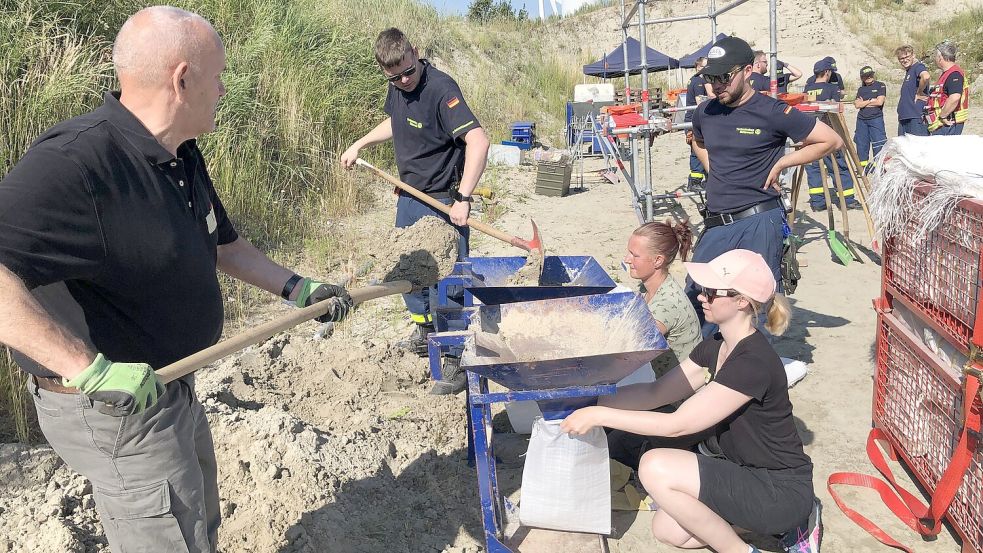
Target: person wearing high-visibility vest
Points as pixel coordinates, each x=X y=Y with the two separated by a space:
x=948 y=104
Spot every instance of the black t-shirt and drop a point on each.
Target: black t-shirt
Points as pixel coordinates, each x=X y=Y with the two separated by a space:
x=762 y=433
x=429 y=125
x=743 y=145
x=954 y=84
x=865 y=92
x=117 y=238
x=697 y=87
x=759 y=82
x=835 y=78
x=783 y=77
x=820 y=92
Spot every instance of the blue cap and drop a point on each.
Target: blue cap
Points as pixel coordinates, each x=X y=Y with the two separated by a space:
x=822 y=65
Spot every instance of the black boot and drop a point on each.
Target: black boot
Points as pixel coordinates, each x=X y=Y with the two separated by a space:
x=455 y=378
x=416 y=342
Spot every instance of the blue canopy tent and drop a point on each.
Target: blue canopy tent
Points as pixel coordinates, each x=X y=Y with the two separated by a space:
x=689 y=61
x=613 y=65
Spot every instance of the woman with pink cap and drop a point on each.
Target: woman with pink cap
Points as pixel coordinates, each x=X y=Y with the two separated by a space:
x=750 y=473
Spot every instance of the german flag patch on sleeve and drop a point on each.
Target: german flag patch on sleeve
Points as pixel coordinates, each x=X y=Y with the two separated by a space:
x=453 y=102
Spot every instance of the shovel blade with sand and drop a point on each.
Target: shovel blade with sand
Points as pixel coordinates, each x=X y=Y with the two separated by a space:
x=534 y=245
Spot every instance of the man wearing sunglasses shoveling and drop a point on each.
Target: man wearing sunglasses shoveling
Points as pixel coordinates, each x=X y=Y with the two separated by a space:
x=111 y=233
x=740 y=138
x=441 y=150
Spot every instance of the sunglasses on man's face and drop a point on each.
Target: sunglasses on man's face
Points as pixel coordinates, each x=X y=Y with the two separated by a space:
x=408 y=72
x=711 y=293
x=722 y=79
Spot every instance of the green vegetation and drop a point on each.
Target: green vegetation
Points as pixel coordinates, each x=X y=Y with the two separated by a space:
x=965 y=30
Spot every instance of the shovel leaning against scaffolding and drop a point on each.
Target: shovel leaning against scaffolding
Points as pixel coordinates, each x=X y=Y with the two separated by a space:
x=835 y=244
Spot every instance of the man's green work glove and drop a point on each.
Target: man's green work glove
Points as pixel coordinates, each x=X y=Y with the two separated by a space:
x=313 y=291
x=123 y=388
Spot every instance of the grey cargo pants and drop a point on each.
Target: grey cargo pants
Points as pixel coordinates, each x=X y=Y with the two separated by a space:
x=154 y=474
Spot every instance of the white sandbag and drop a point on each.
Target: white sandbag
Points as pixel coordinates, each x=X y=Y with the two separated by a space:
x=501 y=154
x=795 y=370
x=566 y=482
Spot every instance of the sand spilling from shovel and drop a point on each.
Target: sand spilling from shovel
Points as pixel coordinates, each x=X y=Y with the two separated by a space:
x=422 y=253
x=538 y=334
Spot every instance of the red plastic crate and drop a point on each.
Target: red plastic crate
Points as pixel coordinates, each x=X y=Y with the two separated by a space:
x=938 y=275
x=918 y=404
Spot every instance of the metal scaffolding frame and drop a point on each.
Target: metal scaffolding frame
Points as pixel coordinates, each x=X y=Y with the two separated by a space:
x=638 y=8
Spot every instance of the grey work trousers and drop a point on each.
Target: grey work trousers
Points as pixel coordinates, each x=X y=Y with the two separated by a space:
x=154 y=474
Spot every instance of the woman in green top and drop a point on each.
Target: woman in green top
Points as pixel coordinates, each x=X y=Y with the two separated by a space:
x=651 y=250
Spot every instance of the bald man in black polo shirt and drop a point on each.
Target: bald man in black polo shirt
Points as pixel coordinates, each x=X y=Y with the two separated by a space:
x=110 y=236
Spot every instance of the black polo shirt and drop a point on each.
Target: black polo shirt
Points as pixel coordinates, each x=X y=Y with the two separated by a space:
x=743 y=144
x=117 y=238
x=697 y=87
x=759 y=82
x=865 y=92
x=429 y=125
x=822 y=92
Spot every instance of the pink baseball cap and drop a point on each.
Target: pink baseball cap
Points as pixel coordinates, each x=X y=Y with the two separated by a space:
x=741 y=270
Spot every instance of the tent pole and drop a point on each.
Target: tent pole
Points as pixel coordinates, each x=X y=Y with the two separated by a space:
x=647 y=151
x=713 y=20
x=773 y=57
x=624 y=50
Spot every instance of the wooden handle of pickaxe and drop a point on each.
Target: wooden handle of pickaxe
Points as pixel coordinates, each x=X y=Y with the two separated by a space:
x=252 y=336
x=423 y=197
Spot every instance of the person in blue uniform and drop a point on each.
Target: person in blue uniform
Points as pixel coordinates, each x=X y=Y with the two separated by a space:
x=697 y=91
x=758 y=80
x=440 y=149
x=834 y=77
x=870 y=133
x=821 y=90
x=787 y=73
x=914 y=93
x=739 y=137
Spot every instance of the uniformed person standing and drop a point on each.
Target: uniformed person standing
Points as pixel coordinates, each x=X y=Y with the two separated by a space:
x=869 y=102
x=697 y=91
x=441 y=150
x=949 y=104
x=834 y=77
x=740 y=138
x=758 y=81
x=786 y=74
x=913 y=95
x=821 y=90
x=110 y=236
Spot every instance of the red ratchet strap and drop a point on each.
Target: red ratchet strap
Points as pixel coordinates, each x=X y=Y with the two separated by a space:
x=924 y=519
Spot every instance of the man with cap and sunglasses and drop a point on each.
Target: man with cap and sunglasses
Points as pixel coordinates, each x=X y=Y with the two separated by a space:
x=869 y=102
x=822 y=90
x=740 y=138
x=441 y=150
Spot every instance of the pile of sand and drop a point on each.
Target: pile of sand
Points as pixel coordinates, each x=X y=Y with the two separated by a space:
x=423 y=253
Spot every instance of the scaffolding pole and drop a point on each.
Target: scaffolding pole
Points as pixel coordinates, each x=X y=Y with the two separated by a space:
x=773 y=55
x=646 y=149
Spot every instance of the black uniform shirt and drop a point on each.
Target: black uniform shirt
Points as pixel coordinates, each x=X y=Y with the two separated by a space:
x=821 y=92
x=759 y=82
x=697 y=87
x=908 y=106
x=835 y=78
x=429 y=125
x=117 y=238
x=954 y=84
x=865 y=92
x=744 y=144
x=783 y=77
x=761 y=434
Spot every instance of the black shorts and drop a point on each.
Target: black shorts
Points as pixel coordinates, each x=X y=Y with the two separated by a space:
x=761 y=500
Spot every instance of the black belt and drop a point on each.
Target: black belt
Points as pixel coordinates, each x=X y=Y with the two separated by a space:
x=711 y=219
x=53 y=384
x=442 y=195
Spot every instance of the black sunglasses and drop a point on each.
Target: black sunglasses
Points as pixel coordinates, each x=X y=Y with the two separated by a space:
x=711 y=293
x=398 y=76
x=722 y=79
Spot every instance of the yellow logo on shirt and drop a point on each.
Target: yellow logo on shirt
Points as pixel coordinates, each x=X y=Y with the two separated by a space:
x=745 y=130
x=414 y=124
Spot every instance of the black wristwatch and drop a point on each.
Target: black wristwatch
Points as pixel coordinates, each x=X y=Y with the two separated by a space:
x=458 y=197
x=288 y=288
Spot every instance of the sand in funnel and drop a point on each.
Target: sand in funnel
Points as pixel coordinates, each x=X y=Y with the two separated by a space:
x=529 y=274
x=540 y=334
x=422 y=253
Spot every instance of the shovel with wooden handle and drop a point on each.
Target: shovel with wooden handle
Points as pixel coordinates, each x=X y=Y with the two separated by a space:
x=835 y=245
x=252 y=336
x=533 y=245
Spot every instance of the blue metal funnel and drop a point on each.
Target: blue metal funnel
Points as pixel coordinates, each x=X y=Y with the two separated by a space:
x=563 y=277
x=550 y=364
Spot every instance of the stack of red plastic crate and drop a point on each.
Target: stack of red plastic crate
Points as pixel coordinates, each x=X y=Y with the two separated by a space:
x=930 y=320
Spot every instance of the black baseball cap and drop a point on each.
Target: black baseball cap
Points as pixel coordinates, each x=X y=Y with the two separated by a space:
x=726 y=54
x=866 y=70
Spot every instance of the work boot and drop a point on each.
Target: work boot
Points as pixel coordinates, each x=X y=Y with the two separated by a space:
x=817 y=207
x=416 y=342
x=455 y=378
